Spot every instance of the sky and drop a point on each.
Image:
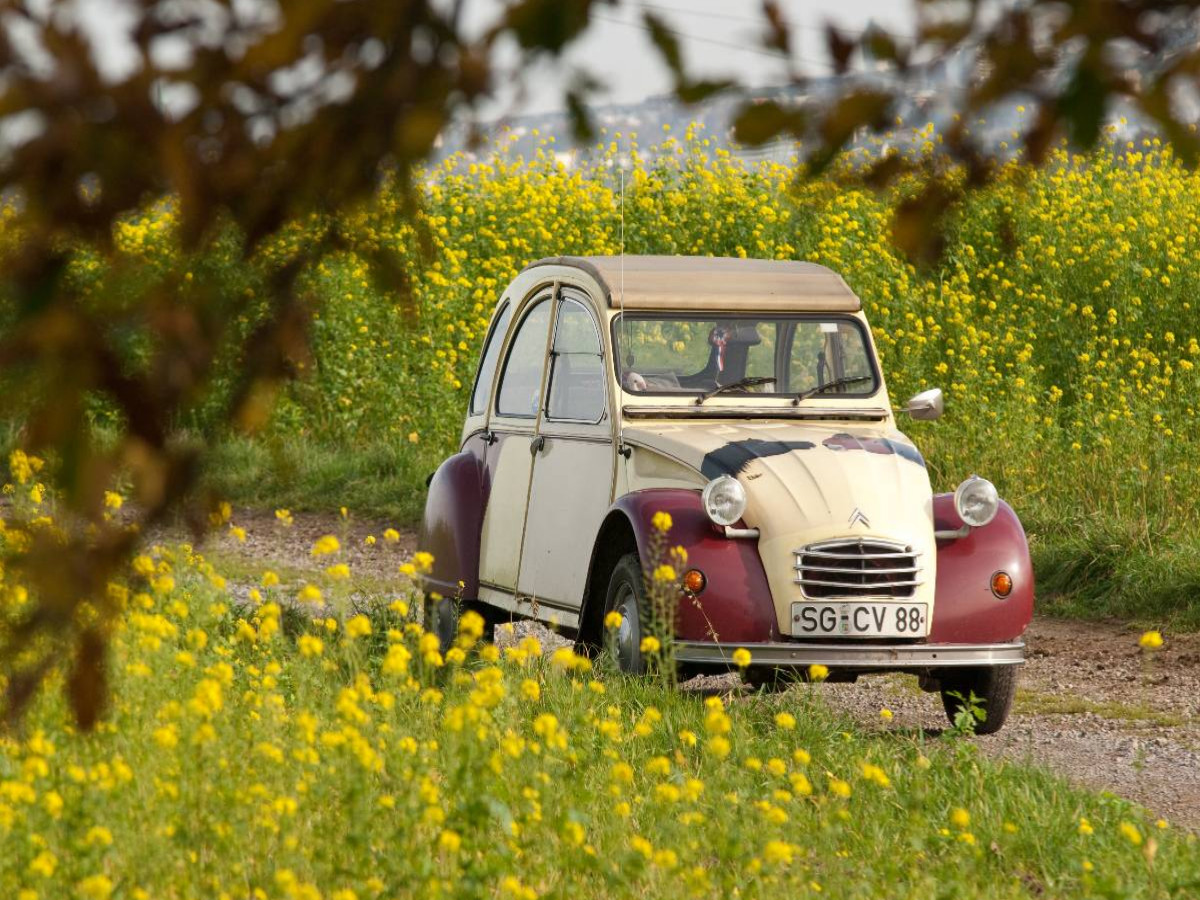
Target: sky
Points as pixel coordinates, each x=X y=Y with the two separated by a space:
x=720 y=38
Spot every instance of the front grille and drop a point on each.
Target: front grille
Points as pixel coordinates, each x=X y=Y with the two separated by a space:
x=859 y=567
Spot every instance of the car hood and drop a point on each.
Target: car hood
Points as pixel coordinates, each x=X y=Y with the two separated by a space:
x=812 y=474
x=808 y=482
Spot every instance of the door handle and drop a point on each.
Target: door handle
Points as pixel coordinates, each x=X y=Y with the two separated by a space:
x=536 y=445
x=490 y=437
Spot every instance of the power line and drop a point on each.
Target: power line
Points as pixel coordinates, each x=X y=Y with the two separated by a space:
x=759 y=20
x=757 y=51
x=705 y=14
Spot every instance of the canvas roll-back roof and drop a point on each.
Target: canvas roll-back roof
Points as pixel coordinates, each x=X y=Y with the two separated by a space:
x=713 y=283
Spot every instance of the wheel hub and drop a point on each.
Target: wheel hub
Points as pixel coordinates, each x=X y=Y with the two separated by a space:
x=629 y=634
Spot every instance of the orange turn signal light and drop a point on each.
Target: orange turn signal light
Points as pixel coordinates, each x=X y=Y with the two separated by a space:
x=694 y=581
x=1002 y=584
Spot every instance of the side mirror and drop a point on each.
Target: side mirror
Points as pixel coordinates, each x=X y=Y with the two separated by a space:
x=926 y=405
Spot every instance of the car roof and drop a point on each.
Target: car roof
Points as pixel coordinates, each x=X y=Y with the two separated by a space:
x=713 y=283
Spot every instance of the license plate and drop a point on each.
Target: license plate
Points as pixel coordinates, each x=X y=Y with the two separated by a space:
x=859 y=619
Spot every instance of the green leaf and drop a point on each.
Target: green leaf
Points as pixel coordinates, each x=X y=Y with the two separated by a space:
x=758 y=123
x=664 y=39
x=1083 y=102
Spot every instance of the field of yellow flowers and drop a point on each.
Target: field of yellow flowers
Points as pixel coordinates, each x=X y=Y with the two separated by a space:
x=311 y=742
x=1060 y=324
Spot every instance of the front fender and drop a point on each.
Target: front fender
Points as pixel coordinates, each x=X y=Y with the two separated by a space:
x=736 y=605
x=965 y=609
x=451 y=526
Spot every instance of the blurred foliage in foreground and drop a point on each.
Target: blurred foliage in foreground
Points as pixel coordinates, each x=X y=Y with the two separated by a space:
x=300 y=741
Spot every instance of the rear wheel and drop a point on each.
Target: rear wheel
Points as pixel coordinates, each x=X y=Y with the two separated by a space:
x=995 y=686
x=627 y=596
x=442 y=617
x=772 y=681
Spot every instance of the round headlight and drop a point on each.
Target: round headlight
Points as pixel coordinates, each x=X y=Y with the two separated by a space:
x=976 y=501
x=724 y=500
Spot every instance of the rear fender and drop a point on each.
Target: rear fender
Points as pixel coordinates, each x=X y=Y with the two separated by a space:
x=735 y=605
x=451 y=526
x=965 y=609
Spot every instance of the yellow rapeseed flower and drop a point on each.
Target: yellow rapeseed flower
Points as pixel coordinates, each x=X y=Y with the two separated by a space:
x=326 y=545
x=778 y=853
x=1131 y=833
x=95 y=887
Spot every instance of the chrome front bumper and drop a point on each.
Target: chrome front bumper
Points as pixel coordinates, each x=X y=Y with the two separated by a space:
x=859 y=657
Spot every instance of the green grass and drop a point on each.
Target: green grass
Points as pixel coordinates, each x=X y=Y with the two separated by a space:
x=1100 y=572
x=382 y=480
x=1044 y=704
x=236 y=764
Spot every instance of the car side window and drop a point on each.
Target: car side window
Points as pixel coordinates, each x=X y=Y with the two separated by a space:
x=521 y=381
x=487 y=367
x=576 y=366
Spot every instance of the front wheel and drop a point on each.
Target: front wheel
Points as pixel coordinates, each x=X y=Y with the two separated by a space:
x=995 y=686
x=627 y=596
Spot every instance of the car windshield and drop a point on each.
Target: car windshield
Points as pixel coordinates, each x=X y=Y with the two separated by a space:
x=775 y=355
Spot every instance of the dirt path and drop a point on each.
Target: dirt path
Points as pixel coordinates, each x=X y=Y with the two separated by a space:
x=1091 y=705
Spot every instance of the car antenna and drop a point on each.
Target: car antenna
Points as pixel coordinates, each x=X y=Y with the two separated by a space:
x=621 y=448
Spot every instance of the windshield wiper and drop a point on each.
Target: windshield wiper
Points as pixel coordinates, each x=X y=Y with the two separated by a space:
x=733 y=386
x=821 y=388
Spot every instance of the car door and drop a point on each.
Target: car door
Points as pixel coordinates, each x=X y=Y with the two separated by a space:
x=512 y=427
x=573 y=465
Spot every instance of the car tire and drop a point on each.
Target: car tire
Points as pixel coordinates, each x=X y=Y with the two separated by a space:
x=996 y=686
x=491 y=618
x=627 y=595
x=442 y=617
x=768 y=680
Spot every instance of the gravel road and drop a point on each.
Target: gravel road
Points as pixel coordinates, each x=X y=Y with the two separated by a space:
x=1091 y=705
